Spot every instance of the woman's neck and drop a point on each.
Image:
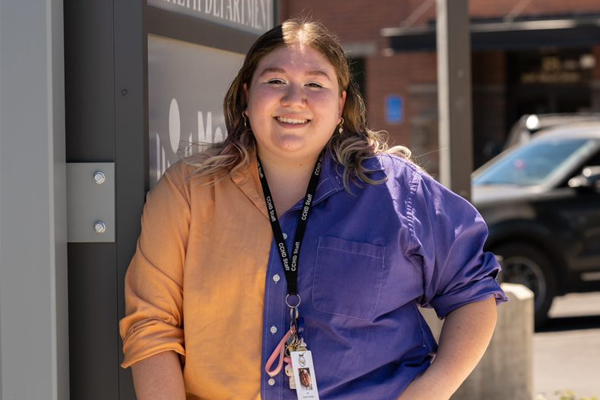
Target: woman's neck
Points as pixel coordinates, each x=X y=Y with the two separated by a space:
x=287 y=181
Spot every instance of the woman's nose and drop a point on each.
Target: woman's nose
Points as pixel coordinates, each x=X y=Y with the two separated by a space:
x=294 y=96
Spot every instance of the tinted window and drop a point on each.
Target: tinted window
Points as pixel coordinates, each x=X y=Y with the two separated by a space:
x=534 y=162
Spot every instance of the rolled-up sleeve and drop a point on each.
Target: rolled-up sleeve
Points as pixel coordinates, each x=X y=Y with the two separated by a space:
x=153 y=321
x=448 y=235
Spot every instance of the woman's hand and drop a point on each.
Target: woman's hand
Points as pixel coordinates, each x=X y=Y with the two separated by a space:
x=159 y=378
x=466 y=333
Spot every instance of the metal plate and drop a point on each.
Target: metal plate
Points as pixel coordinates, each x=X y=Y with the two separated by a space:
x=89 y=203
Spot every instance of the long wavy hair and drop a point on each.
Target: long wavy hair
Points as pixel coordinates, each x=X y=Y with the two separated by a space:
x=350 y=148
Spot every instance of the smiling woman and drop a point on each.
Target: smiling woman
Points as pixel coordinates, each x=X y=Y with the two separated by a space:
x=301 y=187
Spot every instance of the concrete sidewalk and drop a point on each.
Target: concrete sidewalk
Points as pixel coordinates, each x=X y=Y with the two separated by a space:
x=567 y=351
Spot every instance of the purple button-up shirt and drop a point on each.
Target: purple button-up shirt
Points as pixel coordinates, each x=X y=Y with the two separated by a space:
x=369 y=259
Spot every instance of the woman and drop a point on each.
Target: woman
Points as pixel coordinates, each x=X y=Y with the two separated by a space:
x=218 y=293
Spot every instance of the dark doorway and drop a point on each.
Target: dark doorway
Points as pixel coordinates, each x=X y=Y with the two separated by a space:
x=548 y=81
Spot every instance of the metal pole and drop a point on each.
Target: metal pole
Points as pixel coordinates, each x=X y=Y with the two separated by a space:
x=454 y=95
x=34 y=352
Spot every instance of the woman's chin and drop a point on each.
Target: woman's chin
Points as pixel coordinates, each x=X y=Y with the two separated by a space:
x=292 y=146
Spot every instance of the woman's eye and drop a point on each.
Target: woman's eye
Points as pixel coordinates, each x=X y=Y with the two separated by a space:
x=276 y=81
x=314 y=85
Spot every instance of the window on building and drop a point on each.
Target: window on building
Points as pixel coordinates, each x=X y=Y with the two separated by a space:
x=358 y=71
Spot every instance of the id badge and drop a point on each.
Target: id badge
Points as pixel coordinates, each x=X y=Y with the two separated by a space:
x=304 y=375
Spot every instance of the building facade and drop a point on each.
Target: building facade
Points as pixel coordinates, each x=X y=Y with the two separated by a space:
x=512 y=75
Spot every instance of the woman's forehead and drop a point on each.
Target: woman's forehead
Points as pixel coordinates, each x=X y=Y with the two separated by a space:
x=296 y=59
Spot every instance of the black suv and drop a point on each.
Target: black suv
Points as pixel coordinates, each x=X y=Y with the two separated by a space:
x=541 y=201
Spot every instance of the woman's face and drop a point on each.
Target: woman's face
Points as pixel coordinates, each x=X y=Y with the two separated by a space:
x=294 y=104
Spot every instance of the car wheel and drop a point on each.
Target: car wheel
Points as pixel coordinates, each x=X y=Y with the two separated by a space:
x=528 y=266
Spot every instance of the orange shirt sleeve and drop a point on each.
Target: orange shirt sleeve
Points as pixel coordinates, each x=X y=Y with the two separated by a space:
x=154 y=279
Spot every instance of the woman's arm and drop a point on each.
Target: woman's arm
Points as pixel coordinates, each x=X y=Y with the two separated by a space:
x=159 y=377
x=465 y=335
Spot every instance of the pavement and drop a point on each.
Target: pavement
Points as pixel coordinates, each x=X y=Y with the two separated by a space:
x=567 y=350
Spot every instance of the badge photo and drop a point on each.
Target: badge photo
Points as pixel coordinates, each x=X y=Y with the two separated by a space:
x=304 y=375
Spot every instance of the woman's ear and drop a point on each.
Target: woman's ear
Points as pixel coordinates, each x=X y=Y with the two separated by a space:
x=342 y=103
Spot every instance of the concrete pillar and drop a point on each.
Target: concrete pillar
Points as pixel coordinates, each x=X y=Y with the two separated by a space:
x=506 y=369
x=33 y=241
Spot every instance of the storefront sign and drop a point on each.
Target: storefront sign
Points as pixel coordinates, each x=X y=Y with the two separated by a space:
x=186 y=87
x=559 y=69
x=254 y=16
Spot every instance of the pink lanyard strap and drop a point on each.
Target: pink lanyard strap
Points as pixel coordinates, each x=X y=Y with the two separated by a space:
x=278 y=353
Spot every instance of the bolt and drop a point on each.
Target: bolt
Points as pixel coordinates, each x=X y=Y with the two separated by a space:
x=99 y=177
x=99 y=227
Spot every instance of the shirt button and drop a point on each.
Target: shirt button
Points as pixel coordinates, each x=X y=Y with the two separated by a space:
x=273 y=329
x=284 y=235
x=276 y=278
x=271 y=382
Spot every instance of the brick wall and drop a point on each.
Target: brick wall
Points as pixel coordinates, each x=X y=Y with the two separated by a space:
x=352 y=20
x=393 y=75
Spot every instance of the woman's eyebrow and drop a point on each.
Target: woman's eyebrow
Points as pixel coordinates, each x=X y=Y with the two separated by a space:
x=318 y=72
x=272 y=69
x=278 y=70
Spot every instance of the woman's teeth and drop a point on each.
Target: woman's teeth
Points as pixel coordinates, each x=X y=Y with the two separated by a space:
x=292 y=121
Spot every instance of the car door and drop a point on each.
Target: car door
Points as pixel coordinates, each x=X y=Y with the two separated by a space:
x=574 y=216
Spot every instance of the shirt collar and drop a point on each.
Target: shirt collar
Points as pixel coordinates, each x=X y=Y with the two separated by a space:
x=246 y=178
x=330 y=181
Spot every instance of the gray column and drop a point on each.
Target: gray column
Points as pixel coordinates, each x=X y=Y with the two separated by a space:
x=454 y=95
x=33 y=257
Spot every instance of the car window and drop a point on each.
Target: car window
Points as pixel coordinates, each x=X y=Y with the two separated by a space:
x=535 y=162
x=593 y=161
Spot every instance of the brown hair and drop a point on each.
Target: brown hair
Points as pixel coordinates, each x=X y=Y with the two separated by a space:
x=350 y=148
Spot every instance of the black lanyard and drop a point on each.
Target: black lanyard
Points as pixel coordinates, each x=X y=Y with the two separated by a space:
x=290 y=267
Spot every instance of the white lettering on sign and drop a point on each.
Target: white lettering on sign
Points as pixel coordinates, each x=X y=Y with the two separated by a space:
x=185 y=108
x=171 y=148
x=254 y=14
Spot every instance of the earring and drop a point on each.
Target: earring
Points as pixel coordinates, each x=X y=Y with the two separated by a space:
x=245 y=120
x=341 y=128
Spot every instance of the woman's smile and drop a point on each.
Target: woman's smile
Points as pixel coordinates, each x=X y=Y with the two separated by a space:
x=292 y=121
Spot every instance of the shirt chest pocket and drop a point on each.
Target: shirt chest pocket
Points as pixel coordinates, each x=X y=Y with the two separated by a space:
x=348 y=277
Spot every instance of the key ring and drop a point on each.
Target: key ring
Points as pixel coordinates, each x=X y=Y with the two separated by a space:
x=294 y=313
x=287 y=300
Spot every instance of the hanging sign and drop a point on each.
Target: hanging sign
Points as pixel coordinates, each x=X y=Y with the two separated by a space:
x=254 y=16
